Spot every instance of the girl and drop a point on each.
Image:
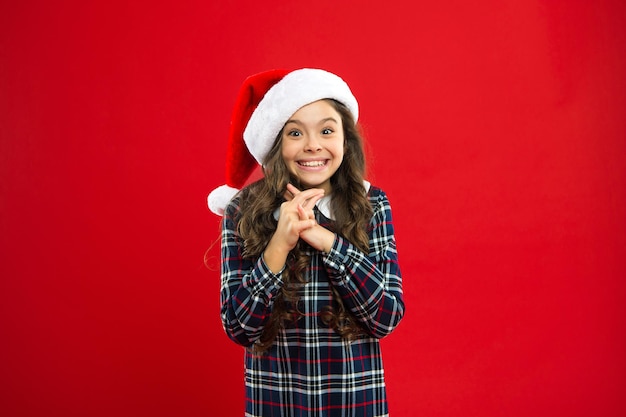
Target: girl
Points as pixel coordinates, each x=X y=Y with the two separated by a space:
x=310 y=277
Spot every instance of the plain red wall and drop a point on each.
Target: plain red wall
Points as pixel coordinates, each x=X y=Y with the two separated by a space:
x=496 y=127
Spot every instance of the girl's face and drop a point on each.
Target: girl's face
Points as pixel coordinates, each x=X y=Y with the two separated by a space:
x=313 y=144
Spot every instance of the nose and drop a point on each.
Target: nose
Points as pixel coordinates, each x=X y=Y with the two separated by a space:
x=313 y=144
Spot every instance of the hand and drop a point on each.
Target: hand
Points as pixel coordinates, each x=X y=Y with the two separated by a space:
x=316 y=236
x=296 y=216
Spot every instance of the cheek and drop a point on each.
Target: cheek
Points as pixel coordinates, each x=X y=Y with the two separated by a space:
x=289 y=157
x=286 y=152
x=340 y=150
x=340 y=155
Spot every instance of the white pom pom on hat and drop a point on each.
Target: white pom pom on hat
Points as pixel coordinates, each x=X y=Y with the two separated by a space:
x=264 y=104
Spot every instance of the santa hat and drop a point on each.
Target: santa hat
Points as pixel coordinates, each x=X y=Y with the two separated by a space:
x=264 y=104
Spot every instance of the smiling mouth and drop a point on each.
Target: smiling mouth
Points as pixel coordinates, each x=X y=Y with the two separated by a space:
x=312 y=164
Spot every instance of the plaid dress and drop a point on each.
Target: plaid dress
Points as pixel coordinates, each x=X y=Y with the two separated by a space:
x=310 y=370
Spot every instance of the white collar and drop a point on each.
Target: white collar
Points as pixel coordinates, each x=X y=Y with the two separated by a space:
x=323 y=205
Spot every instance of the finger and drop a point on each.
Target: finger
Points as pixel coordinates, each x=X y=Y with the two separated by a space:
x=290 y=192
x=311 y=202
x=302 y=212
x=295 y=191
x=292 y=189
x=306 y=224
x=305 y=214
x=309 y=197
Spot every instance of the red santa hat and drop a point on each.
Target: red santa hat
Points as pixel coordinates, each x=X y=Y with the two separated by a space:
x=264 y=104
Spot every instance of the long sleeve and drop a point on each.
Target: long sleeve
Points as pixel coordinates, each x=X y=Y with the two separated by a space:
x=247 y=290
x=370 y=285
x=310 y=367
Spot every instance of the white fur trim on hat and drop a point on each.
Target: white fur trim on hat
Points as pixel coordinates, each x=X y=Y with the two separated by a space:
x=295 y=90
x=219 y=198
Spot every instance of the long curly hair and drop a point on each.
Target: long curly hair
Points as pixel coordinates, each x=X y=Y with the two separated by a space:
x=352 y=212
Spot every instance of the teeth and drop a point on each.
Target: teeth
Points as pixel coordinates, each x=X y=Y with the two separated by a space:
x=312 y=163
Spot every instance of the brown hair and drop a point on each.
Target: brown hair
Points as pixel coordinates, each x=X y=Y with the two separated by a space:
x=352 y=213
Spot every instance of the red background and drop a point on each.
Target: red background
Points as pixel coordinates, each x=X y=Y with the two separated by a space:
x=496 y=127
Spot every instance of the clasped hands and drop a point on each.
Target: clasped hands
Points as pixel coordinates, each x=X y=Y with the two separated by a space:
x=297 y=221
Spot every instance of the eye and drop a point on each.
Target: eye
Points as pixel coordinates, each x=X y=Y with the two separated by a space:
x=327 y=131
x=294 y=133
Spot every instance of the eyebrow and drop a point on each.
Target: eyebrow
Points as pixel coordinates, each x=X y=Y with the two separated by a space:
x=321 y=122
